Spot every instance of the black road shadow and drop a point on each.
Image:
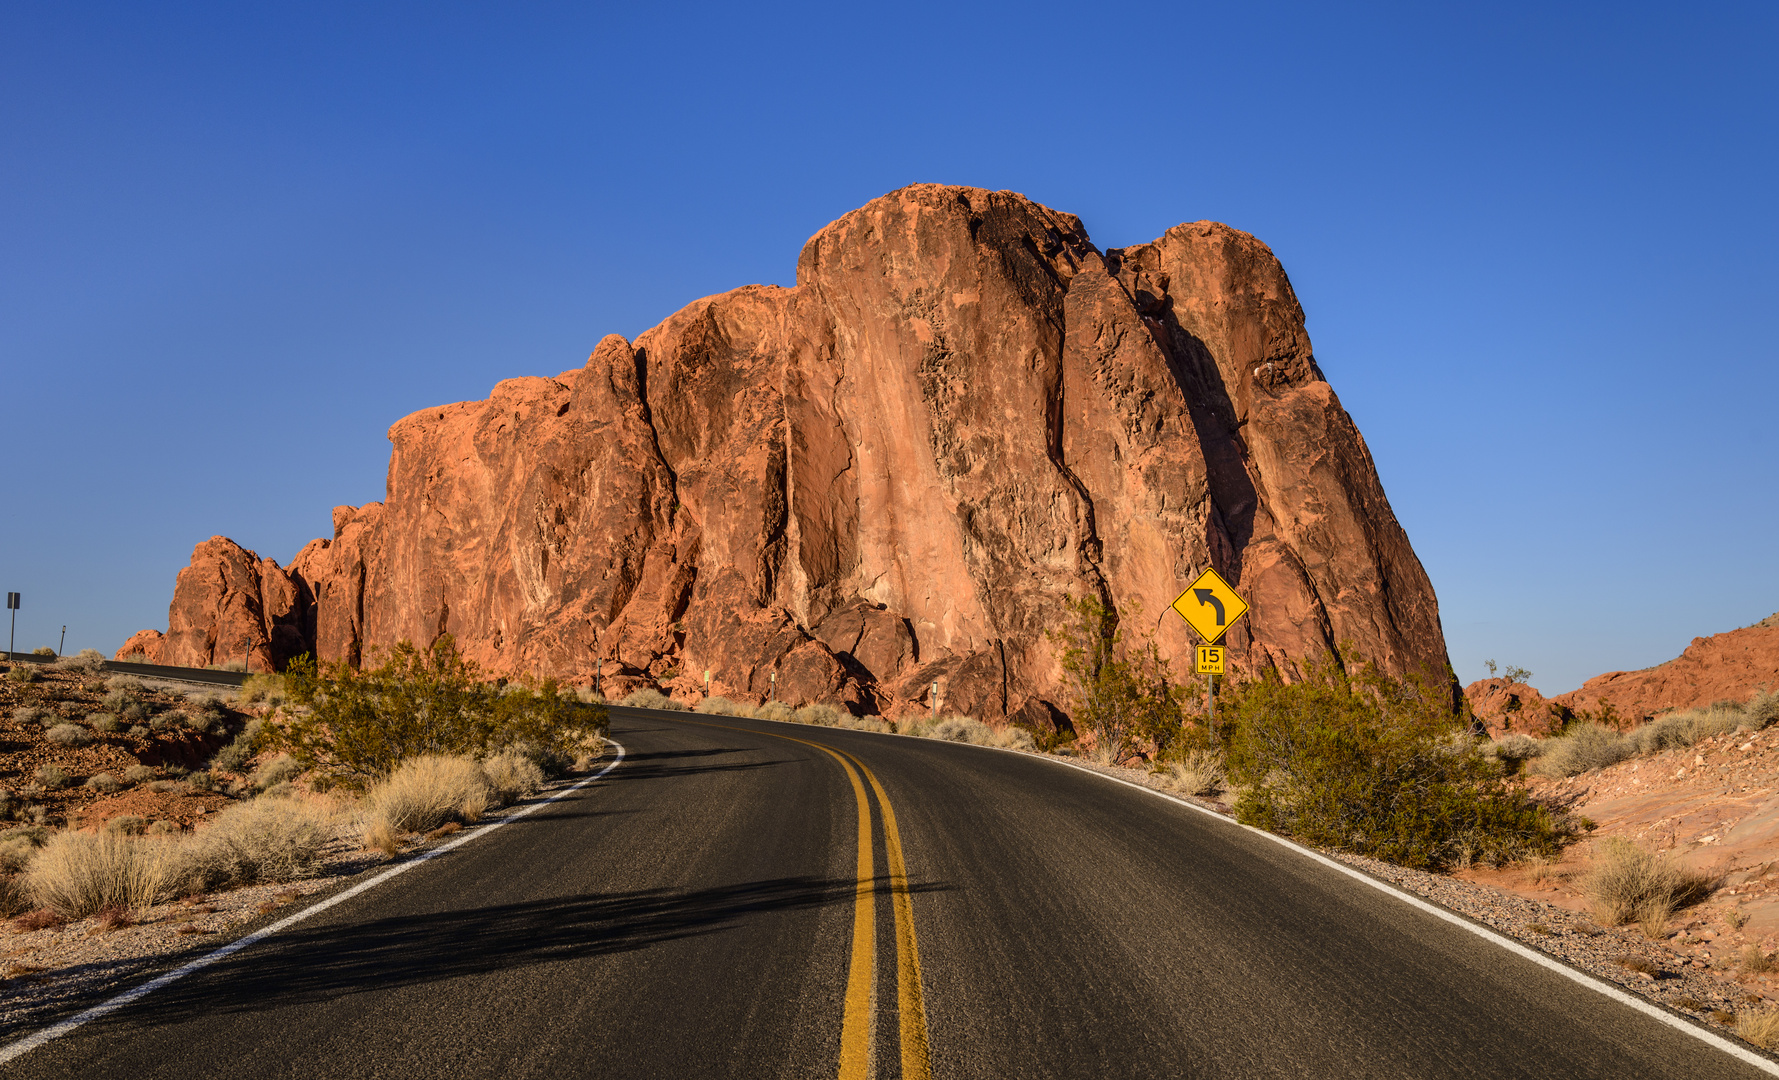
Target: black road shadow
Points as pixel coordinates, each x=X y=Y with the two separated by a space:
x=302 y=966
x=667 y=763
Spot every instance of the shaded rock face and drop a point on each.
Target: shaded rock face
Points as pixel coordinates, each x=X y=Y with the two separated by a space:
x=888 y=477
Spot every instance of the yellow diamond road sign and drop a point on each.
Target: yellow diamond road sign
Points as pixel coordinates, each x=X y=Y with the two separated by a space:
x=1210 y=606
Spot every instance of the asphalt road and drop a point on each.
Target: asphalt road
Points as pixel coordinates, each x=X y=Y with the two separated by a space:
x=705 y=911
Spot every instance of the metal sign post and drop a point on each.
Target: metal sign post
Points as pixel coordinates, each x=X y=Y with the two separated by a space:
x=775 y=686
x=62 y=645
x=12 y=605
x=706 y=682
x=1210 y=607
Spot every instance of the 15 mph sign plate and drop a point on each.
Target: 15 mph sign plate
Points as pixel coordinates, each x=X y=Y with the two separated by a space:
x=1210 y=606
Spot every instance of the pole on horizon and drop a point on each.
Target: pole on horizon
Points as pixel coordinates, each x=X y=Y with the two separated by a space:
x=63 y=644
x=12 y=605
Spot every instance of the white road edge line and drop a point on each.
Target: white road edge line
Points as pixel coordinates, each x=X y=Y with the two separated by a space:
x=1710 y=1038
x=56 y=1031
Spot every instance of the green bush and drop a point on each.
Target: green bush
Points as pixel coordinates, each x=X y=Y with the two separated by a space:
x=1125 y=694
x=1380 y=767
x=364 y=723
x=23 y=673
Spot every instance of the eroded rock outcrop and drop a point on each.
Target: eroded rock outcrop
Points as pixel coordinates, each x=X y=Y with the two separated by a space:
x=887 y=477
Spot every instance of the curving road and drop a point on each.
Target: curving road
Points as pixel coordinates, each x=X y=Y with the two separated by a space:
x=713 y=908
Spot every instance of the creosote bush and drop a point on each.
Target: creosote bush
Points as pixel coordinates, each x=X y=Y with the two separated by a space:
x=104 y=722
x=363 y=724
x=104 y=783
x=23 y=673
x=1121 y=690
x=51 y=777
x=1377 y=766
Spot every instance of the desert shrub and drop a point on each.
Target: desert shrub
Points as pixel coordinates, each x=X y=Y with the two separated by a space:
x=954 y=728
x=104 y=722
x=1122 y=691
x=276 y=771
x=592 y=749
x=1516 y=749
x=1197 y=772
x=227 y=665
x=866 y=723
x=201 y=780
x=128 y=824
x=646 y=698
x=1627 y=883
x=91 y=661
x=233 y=757
x=35 y=714
x=126 y=684
x=264 y=840
x=43 y=650
x=1761 y=709
x=1370 y=764
x=137 y=774
x=365 y=723
x=15 y=898
x=425 y=792
x=718 y=705
x=165 y=787
x=820 y=715
x=78 y=874
x=776 y=710
x=1683 y=729
x=104 y=783
x=51 y=777
x=1583 y=746
x=23 y=673
x=69 y=735
x=512 y=776
x=17 y=847
x=264 y=688
x=164 y=828
x=137 y=731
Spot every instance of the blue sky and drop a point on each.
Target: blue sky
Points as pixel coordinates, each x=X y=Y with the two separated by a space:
x=1536 y=245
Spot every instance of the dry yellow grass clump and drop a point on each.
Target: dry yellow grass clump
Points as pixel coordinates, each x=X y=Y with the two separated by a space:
x=1629 y=884
x=77 y=874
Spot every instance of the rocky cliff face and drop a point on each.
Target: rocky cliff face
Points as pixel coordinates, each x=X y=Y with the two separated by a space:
x=887 y=477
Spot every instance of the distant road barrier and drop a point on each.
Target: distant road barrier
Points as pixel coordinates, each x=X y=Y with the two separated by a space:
x=152 y=671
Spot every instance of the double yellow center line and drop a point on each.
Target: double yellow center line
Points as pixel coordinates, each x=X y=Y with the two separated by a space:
x=856 y=1023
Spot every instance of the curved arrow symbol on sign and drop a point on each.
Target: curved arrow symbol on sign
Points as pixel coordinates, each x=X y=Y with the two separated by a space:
x=1205 y=597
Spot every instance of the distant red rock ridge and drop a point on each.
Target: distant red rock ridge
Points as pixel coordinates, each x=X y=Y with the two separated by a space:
x=1723 y=667
x=886 y=477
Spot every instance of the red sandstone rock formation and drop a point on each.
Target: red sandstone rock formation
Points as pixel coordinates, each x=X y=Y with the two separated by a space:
x=1506 y=707
x=144 y=646
x=887 y=477
x=1722 y=667
x=230 y=604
